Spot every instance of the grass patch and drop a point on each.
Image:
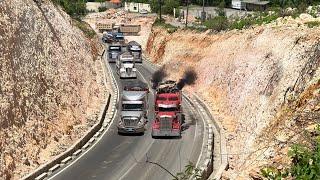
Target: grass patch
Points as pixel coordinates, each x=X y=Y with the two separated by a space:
x=249 y=21
x=161 y=23
x=85 y=28
x=217 y=23
x=102 y=9
x=312 y=24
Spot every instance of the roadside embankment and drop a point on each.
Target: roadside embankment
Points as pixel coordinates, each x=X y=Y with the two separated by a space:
x=51 y=85
x=250 y=78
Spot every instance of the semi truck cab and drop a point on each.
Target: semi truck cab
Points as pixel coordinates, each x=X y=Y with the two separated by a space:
x=167 y=124
x=168 y=111
x=136 y=51
x=134 y=108
x=113 y=52
x=126 y=66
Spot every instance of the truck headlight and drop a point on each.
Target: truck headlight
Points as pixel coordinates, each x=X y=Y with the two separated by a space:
x=120 y=123
x=141 y=122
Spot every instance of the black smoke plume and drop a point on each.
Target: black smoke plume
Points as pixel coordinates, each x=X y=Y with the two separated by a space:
x=158 y=76
x=189 y=77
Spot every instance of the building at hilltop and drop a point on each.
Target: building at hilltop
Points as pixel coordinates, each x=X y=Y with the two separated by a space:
x=250 y=5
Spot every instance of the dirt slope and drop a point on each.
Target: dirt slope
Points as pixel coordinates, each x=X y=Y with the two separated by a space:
x=51 y=86
x=251 y=79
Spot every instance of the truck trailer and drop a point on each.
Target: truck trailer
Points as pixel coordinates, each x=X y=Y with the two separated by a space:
x=129 y=29
x=126 y=66
x=168 y=111
x=134 y=107
x=104 y=26
x=136 y=51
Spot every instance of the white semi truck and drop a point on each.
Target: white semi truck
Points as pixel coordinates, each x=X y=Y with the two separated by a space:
x=126 y=66
x=133 y=107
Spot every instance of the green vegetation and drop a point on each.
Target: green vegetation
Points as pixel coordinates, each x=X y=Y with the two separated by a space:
x=220 y=22
x=96 y=1
x=161 y=23
x=102 y=9
x=74 y=8
x=217 y=23
x=190 y=171
x=85 y=28
x=167 y=6
x=305 y=160
x=312 y=24
x=257 y=19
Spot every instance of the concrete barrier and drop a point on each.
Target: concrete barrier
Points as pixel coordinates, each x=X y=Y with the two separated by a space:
x=221 y=143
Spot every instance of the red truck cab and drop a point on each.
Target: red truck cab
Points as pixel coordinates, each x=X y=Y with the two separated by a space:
x=168 y=100
x=167 y=124
x=168 y=110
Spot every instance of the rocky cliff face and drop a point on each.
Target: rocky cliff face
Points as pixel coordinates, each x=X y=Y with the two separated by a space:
x=258 y=82
x=51 y=86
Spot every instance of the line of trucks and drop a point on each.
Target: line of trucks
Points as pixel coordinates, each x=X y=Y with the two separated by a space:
x=125 y=56
x=134 y=102
x=134 y=106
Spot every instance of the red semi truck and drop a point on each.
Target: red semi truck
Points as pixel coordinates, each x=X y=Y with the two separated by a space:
x=168 y=117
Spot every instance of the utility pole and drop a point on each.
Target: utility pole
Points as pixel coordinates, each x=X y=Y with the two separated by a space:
x=187 y=1
x=203 y=14
x=160 y=4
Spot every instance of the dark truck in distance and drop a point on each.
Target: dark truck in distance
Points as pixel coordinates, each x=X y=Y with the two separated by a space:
x=133 y=107
x=114 y=50
x=168 y=116
x=119 y=37
x=107 y=37
x=136 y=51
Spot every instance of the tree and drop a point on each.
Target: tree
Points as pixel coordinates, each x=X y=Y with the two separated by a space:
x=167 y=6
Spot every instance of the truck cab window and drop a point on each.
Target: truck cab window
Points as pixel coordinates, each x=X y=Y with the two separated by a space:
x=132 y=107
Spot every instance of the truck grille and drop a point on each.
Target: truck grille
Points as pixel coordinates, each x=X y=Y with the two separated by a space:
x=130 y=122
x=165 y=123
x=128 y=70
x=136 y=55
x=113 y=56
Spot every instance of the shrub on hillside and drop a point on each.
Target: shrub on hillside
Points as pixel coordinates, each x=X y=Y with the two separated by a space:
x=72 y=7
x=305 y=160
x=217 y=23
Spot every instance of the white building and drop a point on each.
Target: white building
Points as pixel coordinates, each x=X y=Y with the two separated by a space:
x=136 y=7
x=238 y=4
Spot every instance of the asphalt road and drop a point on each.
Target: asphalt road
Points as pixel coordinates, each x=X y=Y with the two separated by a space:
x=116 y=157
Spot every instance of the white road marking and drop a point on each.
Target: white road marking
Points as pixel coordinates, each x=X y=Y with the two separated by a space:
x=202 y=147
x=147 y=149
x=93 y=145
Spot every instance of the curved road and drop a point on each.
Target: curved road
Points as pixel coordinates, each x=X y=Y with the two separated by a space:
x=116 y=157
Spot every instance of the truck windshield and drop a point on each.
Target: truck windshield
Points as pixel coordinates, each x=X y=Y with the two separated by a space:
x=114 y=48
x=173 y=98
x=162 y=98
x=120 y=37
x=167 y=109
x=132 y=107
x=127 y=62
x=135 y=50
